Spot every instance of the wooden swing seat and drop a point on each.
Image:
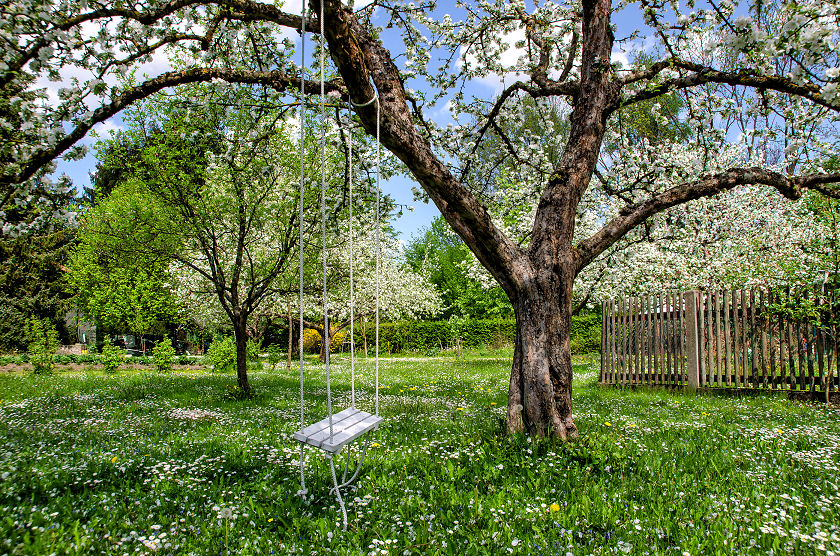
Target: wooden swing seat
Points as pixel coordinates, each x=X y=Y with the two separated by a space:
x=347 y=426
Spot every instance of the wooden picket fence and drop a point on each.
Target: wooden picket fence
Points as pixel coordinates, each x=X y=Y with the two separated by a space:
x=725 y=338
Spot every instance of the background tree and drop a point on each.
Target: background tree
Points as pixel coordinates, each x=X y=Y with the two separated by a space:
x=211 y=195
x=34 y=247
x=32 y=285
x=445 y=261
x=403 y=293
x=119 y=286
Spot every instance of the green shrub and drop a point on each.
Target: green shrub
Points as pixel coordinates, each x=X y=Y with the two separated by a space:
x=43 y=343
x=275 y=356
x=112 y=357
x=163 y=355
x=221 y=355
x=311 y=341
x=253 y=354
x=586 y=333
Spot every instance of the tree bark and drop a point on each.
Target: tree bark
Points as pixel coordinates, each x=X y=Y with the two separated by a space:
x=289 y=359
x=325 y=341
x=540 y=394
x=240 y=333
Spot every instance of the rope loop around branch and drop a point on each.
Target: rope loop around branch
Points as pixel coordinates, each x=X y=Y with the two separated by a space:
x=362 y=105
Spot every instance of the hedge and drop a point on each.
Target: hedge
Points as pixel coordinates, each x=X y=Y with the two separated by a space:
x=428 y=336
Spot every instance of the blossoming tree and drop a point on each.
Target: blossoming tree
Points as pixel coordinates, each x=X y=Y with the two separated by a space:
x=403 y=293
x=785 y=79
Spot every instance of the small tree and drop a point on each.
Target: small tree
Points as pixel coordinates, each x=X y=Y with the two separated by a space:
x=221 y=355
x=163 y=355
x=112 y=357
x=43 y=343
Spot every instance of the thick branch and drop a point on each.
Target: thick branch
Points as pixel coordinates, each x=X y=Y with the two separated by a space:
x=632 y=216
x=703 y=74
x=553 y=227
x=278 y=80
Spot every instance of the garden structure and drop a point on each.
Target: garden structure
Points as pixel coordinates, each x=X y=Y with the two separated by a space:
x=731 y=338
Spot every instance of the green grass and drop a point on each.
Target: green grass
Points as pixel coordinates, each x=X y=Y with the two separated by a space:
x=142 y=462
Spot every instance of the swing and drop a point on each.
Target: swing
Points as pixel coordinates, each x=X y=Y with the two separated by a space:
x=337 y=430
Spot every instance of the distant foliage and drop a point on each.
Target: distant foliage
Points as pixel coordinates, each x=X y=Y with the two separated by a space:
x=221 y=355
x=443 y=259
x=586 y=333
x=31 y=284
x=43 y=343
x=275 y=356
x=112 y=357
x=164 y=355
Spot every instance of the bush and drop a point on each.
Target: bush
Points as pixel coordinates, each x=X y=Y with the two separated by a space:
x=43 y=343
x=221 y=355
x=311 y=341
x=112 y=357
x=275 y=356
x=586 y=333
x=426 y=336
x=163 y=355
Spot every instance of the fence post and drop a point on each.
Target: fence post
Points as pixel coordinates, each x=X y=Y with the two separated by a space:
x=693 y=347
x=603 y=340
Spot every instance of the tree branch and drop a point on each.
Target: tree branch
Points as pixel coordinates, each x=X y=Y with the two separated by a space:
x=360 y=59
x=703 y=74
x=277 y=80
x=248 y=11
x=632 y=216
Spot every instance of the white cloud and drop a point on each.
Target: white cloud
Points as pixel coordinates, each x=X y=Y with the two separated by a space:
x=620 y=57
x=105 y=129
x=508 y=61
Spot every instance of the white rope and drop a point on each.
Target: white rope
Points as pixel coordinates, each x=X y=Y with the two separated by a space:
x=326 y=338
x=378 y=230
x=338 y=491
x=300 y=223
x=362 y=105
x=378 y=253
x=352 y=302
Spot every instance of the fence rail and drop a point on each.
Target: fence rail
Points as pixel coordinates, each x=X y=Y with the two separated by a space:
x=727 y=338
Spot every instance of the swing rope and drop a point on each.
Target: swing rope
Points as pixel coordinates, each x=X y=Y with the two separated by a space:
x=326 y=338
x=302 y=491
x=371 y=423
x=352 y=300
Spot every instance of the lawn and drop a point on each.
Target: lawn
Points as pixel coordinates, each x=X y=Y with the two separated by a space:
x=143 y=462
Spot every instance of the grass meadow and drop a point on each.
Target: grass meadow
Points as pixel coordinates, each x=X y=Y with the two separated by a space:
x=142 y=462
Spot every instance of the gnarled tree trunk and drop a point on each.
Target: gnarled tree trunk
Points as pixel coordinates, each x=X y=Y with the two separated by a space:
x=540 y=394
